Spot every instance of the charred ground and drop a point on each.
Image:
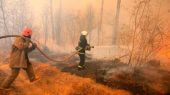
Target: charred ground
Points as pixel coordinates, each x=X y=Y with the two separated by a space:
x=100 y=77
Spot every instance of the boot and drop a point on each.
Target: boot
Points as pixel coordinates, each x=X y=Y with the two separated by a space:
x=34 y=80
x=80 y=67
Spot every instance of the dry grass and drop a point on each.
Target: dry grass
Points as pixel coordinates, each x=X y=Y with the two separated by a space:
x=144 y=80
x=121 y=78
x=54 y=82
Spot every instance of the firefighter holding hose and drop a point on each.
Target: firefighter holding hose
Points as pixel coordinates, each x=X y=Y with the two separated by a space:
x=19 y=58
x=81 y=48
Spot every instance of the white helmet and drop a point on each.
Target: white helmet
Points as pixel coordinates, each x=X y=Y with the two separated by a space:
x=84 y=33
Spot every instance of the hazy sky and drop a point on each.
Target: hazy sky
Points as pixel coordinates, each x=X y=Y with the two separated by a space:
x=37 y=7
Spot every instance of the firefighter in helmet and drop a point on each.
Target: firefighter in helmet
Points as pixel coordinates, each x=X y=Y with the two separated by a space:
x=19 y=58
x=81 y=48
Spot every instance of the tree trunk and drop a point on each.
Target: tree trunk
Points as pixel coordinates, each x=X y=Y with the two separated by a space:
x=52 y=20
x=59 y=23
x=116 y=23
x=100 y=23
x=4 y=19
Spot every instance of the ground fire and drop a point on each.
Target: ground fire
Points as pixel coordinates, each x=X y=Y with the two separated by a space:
x=84 y=47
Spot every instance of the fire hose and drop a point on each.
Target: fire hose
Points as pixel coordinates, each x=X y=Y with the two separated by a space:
x=45 y=55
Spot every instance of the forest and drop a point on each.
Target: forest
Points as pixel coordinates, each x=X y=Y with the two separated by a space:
x=131 y=39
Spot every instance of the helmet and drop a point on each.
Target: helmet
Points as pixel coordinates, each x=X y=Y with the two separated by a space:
x=27 y=32
x=84 y=33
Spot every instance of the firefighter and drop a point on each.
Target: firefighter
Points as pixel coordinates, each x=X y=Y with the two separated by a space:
x=82 y=47
x=19 y=59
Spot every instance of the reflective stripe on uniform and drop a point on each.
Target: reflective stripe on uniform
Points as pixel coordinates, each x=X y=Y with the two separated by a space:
x=80 y=66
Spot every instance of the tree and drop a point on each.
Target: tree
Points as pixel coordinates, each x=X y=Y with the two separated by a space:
x=4 y=16
x=116 y=22
x=90 y=16
x=100 y=22
x=59 y=23
x=145 y=33
x=14 y=16
x=45 y=24
x=52 y=20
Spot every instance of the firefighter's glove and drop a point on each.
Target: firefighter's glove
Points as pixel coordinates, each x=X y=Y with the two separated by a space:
x=78 y=48
x=88 y=48
x=34 y=45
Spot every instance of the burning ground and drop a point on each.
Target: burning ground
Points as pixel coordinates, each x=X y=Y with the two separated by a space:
x=99 y=78
x=55 y=82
